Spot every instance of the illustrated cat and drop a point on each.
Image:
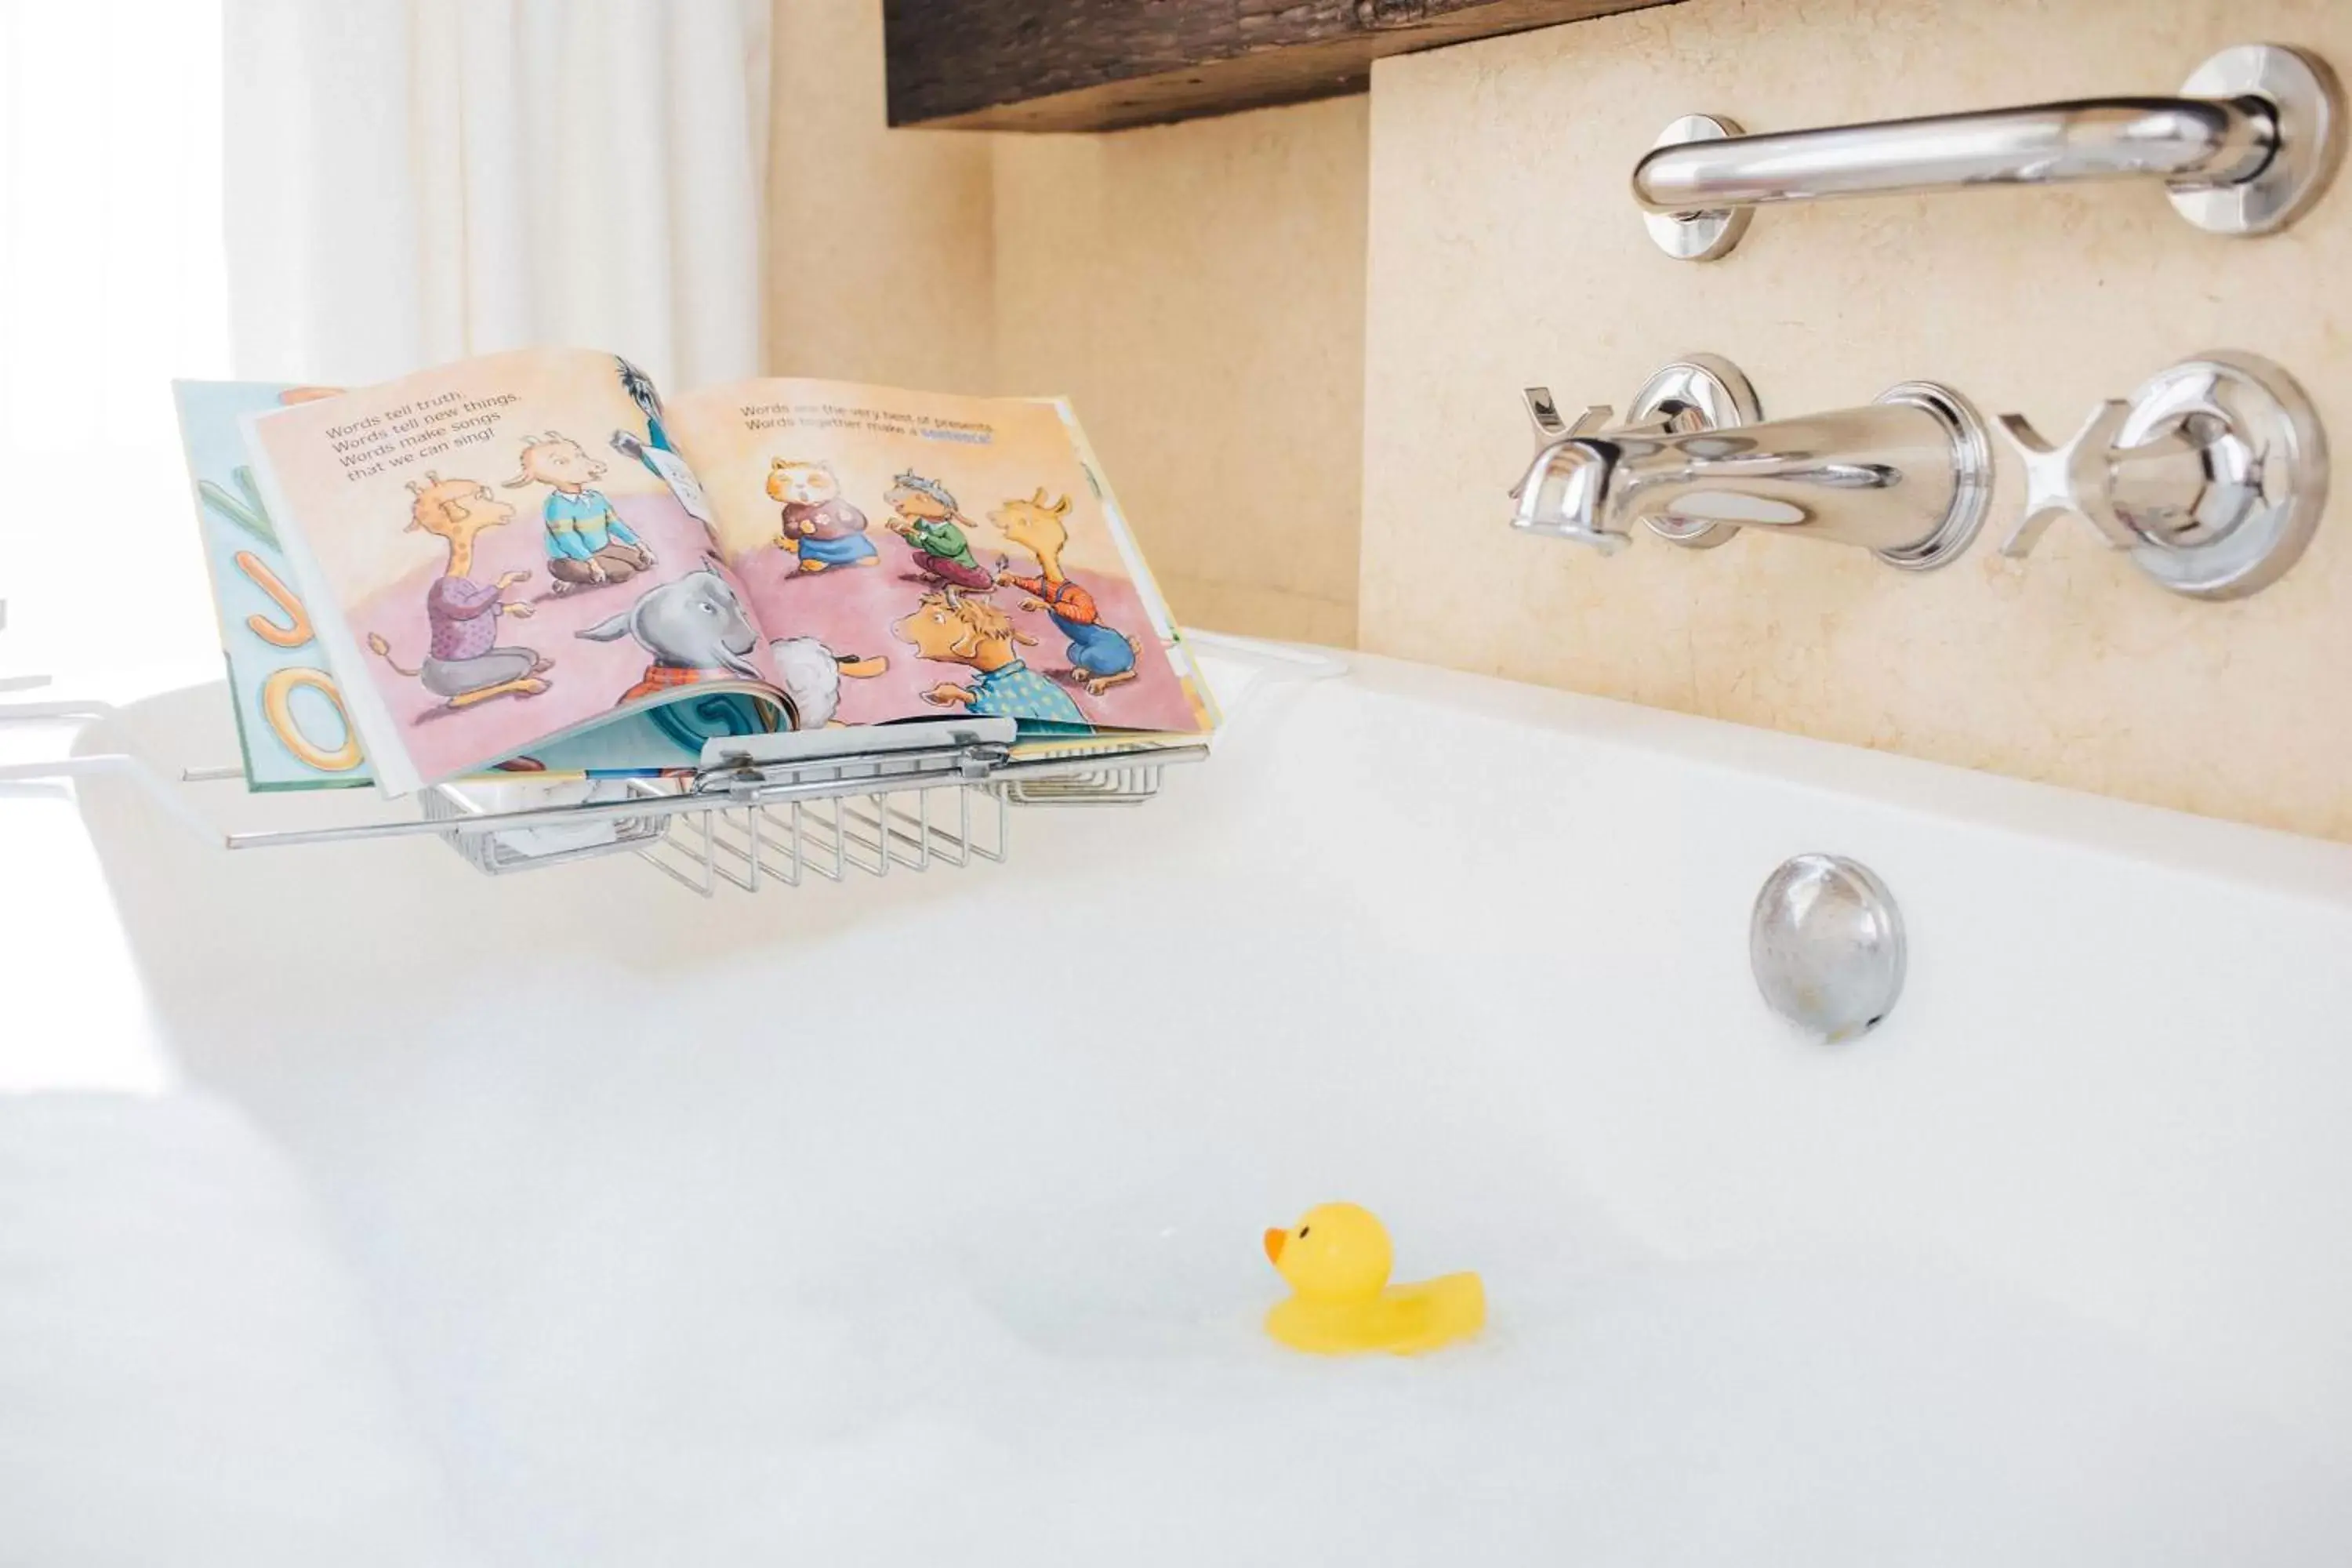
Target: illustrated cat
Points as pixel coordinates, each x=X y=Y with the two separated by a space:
x=824 y=530
x=809 y=484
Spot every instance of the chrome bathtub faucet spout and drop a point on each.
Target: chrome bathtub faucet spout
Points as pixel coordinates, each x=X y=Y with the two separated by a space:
x=1562 y=493
x=1907 y=477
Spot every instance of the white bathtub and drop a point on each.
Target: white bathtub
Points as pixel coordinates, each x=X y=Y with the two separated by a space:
x=570 y=1219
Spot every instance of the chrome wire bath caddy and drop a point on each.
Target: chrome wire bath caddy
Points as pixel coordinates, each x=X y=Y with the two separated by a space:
x=768 y=810
x=775 y=809
x=940 y=797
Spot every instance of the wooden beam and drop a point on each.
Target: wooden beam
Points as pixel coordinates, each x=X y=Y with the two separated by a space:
x=1101 y=65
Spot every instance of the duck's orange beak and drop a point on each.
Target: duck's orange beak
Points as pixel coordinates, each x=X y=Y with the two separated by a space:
x=1274 y=1240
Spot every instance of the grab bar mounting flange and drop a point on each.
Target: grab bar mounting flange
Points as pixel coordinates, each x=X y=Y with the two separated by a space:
x=1698 y=236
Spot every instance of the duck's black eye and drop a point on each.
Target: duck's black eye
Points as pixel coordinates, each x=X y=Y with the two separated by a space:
x=1303 y=1230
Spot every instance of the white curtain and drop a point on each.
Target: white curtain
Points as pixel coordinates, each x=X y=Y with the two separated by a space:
x=111 y=284
x=409 y=182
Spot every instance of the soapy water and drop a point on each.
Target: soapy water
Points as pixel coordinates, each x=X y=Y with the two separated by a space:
x=1118 y=1411
x=1075 y=1387
x=942 y=1302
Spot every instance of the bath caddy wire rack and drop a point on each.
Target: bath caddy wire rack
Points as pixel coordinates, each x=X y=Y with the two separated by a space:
x=767 y=810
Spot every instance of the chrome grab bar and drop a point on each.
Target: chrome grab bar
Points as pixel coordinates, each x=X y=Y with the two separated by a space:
x=2206 y=143
x=2247 y=148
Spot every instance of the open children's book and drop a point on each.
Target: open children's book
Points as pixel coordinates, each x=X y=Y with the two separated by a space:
x=527 y=563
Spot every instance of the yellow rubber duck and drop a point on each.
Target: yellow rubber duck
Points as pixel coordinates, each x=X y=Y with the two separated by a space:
x=1336 y=1258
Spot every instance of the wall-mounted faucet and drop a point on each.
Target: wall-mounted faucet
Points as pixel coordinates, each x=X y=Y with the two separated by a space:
x=1907 y=477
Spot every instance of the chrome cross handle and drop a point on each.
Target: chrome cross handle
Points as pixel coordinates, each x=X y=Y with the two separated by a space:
x=1544 y=414
x=2213 y=475
x=2073 y=478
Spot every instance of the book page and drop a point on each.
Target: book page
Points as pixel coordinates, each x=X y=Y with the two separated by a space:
x=501 y=551
x=943 y=554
